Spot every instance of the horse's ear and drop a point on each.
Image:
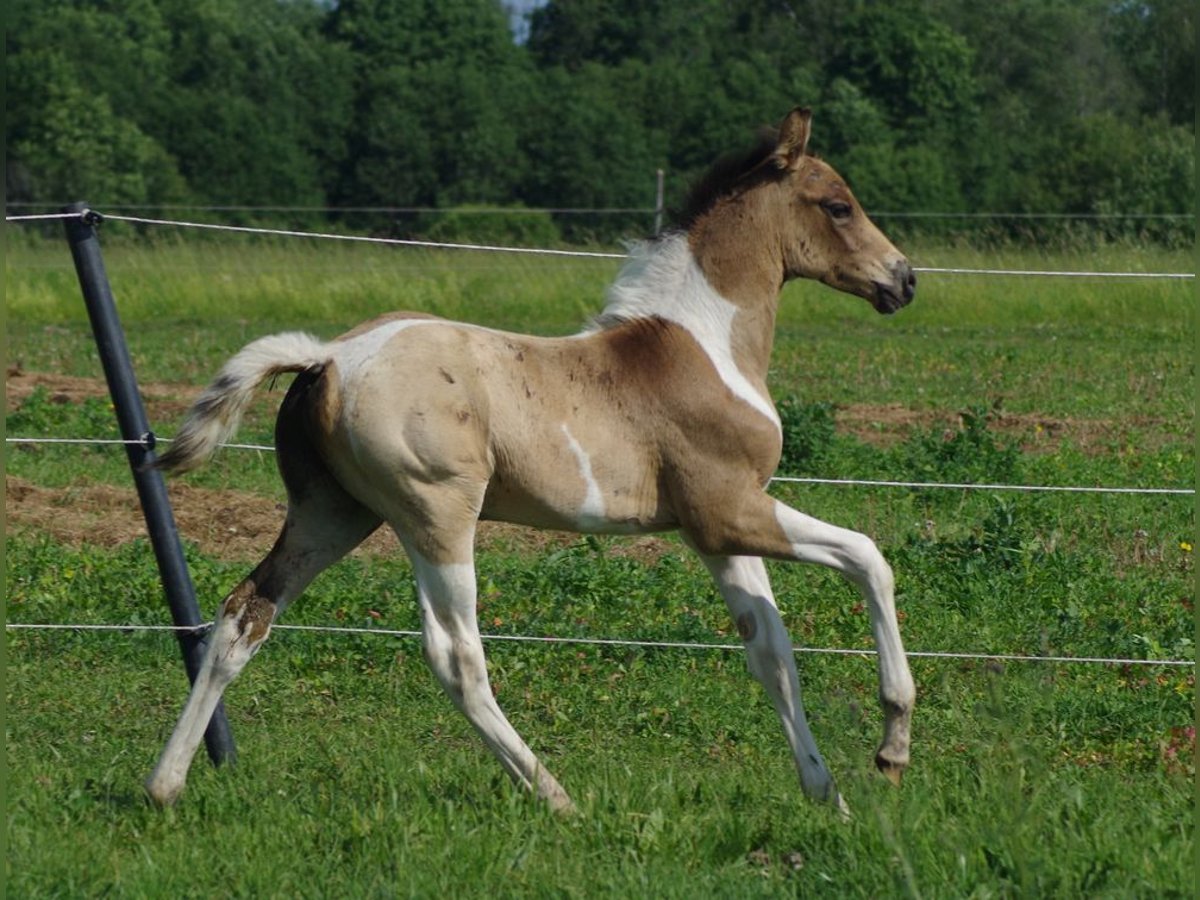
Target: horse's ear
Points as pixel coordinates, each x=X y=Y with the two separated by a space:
x=793 y=138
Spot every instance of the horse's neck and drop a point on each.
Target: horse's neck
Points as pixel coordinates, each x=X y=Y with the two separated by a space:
x=718 y=298
x=736 y=258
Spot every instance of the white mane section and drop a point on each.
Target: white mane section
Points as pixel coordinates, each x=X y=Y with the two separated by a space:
x=661 y=278
x=653 y=279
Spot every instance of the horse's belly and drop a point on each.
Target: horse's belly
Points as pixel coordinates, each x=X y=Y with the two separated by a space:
x=559 y=485
x=538 y=513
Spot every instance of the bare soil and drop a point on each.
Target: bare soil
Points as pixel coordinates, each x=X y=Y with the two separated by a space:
x=232 y=525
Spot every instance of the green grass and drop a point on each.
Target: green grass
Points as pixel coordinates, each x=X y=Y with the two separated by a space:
x=357 y=777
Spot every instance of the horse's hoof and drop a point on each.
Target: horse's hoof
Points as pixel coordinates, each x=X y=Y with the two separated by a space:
x=893 y=771
x=161 y=796
x=843 y=810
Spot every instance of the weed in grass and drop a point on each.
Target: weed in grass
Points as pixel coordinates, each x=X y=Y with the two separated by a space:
x=42 y=414
x=808 y=434
x=969 y=454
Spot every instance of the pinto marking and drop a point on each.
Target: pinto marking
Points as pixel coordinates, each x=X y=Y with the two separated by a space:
x=591 y=510
x=663 y=279
x=655 y=417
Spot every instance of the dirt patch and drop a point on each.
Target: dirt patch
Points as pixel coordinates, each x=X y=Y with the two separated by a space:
x=884 y=425
x=227 y=524
x=239 y=525
x=167 y=400
x=880 y=425
x=231 y=525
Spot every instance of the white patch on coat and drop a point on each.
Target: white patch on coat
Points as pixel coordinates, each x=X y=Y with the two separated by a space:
x=662 y=278
x=355 y=357
x=591 y=510
x=359 y=352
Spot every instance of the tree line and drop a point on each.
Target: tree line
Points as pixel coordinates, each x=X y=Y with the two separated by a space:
x=1082 y=107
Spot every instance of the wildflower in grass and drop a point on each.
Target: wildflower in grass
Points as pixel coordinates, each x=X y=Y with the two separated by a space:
x=1185 y=546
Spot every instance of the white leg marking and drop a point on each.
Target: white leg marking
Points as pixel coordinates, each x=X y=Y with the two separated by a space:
x=591 y=511
x=744 y=584
x=311 y=540
x=454 y=651
x=231 y=645
x=856 y=557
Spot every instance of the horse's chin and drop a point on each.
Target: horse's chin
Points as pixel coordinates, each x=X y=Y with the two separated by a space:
x=887 y=299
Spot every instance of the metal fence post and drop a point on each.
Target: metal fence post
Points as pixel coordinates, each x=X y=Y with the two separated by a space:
x=152 y=491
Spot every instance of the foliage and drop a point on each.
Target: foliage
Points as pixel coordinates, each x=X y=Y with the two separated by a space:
x=970 y=453
x=516 y=226
x=1081 y=106
x=40 y=414
x=808 y=431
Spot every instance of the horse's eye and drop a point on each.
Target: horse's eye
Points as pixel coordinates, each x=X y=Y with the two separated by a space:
x=837 y=208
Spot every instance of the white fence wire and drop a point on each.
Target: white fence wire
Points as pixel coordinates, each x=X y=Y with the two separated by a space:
x=777 y=479
x=587 y=254
x=600 y=211
x=619 y=642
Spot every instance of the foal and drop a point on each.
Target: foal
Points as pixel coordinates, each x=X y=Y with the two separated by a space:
x=656 y=417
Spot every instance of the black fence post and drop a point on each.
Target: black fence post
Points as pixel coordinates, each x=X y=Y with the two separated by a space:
x=152 y=491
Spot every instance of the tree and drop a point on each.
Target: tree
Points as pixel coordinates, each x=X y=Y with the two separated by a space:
x=1157 y=42
x=74 y=74
x=1037 y=105
x=440 y=93
x=587 y=149
x=258 y=102
x=78 y=148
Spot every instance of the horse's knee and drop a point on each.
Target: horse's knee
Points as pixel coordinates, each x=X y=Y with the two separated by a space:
x=447 y=656
x=439 y=658
x=867 y=567
x=768 y=653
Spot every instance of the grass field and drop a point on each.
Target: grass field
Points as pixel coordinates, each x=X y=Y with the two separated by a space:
x=357 y=778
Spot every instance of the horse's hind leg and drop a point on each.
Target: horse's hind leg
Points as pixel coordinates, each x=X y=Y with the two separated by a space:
x=454 y=651
x=323 y=524
x=311 y=541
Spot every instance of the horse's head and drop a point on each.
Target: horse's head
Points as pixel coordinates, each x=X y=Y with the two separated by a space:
x=824 y=232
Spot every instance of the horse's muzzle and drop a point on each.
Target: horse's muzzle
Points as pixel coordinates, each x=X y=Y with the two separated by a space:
x=890 y=297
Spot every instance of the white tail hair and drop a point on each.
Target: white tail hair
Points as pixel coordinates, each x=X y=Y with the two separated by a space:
x=215 y=415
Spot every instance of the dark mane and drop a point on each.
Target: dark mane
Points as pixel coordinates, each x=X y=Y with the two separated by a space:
x=723 y=177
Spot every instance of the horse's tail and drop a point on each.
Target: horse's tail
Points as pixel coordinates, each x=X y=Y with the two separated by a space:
x=215 y=415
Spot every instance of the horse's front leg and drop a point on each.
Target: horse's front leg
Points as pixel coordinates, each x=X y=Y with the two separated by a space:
x=759 y=525
x=743 y=583
x=857 y=558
